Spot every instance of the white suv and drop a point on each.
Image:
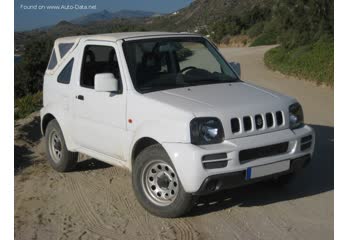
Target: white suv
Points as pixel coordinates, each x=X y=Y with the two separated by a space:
x=168 y=107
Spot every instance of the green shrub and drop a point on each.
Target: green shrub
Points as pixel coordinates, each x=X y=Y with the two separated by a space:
x=266 y=38
x=313 y=62
x=30 y=71
x=301 y=22
x=28 y=104
x=255 y=30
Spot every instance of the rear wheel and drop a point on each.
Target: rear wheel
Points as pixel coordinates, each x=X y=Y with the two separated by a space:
x=57 y=153
x=157 y=186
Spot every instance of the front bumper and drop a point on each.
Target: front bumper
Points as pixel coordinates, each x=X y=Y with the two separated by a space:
x=187 y=158
x=235 y=179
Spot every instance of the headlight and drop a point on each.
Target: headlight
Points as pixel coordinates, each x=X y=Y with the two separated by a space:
x=207 y=130
x=296 y=116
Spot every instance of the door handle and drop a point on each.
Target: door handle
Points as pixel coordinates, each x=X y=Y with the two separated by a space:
x=80 y=97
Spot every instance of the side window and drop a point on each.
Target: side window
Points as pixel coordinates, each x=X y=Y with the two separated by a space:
x=65 y=74
x=98 y=59
x=64 y=48
x=53 y=60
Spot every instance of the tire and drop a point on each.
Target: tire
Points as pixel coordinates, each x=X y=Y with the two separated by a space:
x=153 y=162
x=57 y=153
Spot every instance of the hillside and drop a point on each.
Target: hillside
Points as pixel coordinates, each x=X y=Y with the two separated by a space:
x=201 y=13
x=198 y=16
x=305 y=32
x=106 y=15
x=65 y=28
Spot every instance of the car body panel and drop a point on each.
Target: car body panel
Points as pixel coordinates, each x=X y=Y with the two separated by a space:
x=107 y=126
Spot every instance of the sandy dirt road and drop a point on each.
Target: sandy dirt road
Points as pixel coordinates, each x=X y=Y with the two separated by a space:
x=96 y=201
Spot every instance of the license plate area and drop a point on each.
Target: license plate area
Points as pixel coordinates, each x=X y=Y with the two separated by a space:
x=268 y=169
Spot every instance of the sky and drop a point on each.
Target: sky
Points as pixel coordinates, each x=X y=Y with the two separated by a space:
x=30 y=14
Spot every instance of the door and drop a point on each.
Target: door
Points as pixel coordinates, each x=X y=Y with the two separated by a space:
x=99 y=117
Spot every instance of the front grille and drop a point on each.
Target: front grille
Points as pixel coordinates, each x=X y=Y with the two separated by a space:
x=261 y=152
x=258 y=121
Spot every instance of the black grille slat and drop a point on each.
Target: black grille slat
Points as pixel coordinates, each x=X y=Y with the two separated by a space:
x=261 y=152
x=269 y=120
x=306 y=143
x=247 y=122
x=259 y=122
x=235 y=125
x=305 y=146
x=306 y=139
x=212 y=165
x=279 y=118
x=214 y=156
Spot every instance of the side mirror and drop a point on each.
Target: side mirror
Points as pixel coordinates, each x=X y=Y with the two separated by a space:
x=105 y=82
x=237 y=67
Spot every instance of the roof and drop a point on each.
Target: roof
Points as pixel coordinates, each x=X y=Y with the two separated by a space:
x=65 y=45
x=120 y=35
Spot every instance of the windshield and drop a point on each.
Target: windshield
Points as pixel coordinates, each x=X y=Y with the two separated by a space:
x=160 y=64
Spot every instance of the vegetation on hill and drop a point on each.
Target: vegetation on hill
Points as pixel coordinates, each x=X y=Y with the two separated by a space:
x=30 y=70
x=29 y=74
x=28 y=104
x=202 y=14
x=305 y=33
x=313 y=61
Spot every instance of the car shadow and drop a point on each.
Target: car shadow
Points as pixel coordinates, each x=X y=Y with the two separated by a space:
x=25 y=138
x=316 y=178
x=22 y=158
x=31 y=131
x=90 y=164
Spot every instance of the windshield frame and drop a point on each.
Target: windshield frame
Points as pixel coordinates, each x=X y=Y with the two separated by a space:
x=207 y=43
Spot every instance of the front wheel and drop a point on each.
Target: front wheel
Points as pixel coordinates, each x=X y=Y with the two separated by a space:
x=157 y=186
x=57 y=153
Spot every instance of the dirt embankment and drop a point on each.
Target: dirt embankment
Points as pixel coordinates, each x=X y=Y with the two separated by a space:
x=96 y=200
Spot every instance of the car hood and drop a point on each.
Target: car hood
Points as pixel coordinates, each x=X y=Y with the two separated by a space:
x=226 y=101
x=222 y=97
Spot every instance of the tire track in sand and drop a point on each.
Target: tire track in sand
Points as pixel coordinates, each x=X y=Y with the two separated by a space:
x=93 y=221
x=121 y=197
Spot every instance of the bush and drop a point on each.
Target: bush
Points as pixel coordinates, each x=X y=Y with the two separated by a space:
x=313 y=62
x=226 y=40
x=28 y=104
x=22 y=86
x=29 y=72
x=301 y=22
x=255 y=30
x=266 y=38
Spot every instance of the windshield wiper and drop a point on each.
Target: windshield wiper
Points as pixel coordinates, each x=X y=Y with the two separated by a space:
x=207 y=81
x=157 y=88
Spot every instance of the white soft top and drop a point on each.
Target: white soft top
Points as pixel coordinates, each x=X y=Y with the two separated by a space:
x=65 y=46
x=123 y=35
